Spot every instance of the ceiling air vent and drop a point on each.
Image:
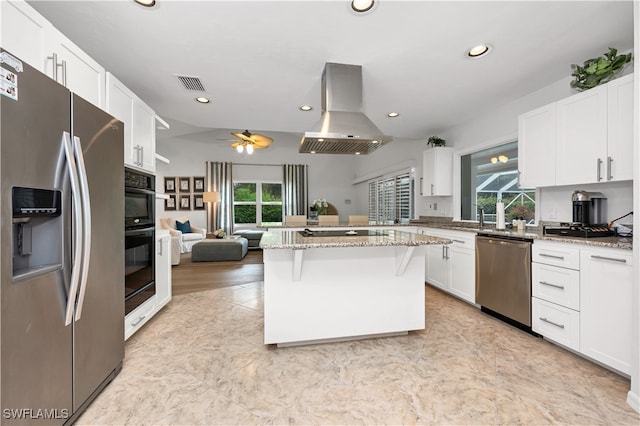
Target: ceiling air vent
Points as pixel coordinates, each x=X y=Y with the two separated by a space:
x=191 y=83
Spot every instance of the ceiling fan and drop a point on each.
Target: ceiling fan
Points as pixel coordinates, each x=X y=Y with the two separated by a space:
x=250 y=141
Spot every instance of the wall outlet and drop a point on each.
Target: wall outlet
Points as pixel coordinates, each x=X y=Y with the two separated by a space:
x=435 y=206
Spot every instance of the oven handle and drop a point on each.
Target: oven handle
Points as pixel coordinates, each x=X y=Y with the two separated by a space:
x=139 y=190
x=141 y=231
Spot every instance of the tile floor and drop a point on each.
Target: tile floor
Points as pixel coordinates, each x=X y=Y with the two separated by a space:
x=201 y=361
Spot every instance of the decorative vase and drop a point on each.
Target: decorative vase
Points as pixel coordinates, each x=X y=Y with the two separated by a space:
x=313 y=214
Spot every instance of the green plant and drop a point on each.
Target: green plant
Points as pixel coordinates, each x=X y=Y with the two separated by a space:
x=598 y=70
x=436 y=141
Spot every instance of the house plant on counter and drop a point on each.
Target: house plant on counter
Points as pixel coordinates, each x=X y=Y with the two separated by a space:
x=436 y=141
x=318 y=207
x=598 y=70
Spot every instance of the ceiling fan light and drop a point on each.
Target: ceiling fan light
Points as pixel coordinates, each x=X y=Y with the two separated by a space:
x=146 y=3
x=240 y=148
x=361 y=6
x=250 y=149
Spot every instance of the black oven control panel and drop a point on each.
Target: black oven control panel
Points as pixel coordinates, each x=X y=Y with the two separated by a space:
x=135 y=179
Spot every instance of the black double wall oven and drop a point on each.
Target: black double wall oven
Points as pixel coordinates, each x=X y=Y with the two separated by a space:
x=139 y=238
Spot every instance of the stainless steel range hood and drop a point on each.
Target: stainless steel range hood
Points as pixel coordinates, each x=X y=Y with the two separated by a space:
x=343 y=127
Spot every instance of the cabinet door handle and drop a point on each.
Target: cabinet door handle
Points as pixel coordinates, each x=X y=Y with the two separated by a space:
x=160 y=248
x=598 y=167
x=561 y=287
x=54 y=71
x=551 y=256
x=552 y=323
x=443 y=255
x=612 y=259
x=64 y=73
x=609 y=161
x=459 y=241
x=133 y=324
x=141 y=155
x=431 y=189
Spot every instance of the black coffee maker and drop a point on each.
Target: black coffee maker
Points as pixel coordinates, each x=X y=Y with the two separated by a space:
x=589 y=208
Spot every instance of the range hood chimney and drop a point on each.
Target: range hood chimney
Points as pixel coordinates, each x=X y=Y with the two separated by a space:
x=343 y=127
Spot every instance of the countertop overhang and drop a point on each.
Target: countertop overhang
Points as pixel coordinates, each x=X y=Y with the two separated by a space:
x=293 y=240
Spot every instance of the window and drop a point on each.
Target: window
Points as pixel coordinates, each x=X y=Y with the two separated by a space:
x=257 y=202
x=391 y=199
x=490 y=175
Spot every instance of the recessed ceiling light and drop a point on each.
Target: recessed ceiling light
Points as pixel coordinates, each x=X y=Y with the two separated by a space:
x=146 y=3
x=313 y=152
x=361 y=6
x=202 y=100
x=393 y=114
x=357 y=153
x=374 y=141
x=306 y=108
x=479 y=50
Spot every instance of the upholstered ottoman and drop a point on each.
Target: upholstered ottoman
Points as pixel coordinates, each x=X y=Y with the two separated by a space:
x=253 y=235
x=217 y=250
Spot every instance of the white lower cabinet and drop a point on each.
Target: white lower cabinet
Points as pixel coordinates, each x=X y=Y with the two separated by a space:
x=606 y=305
x=163 y=270
x=143 y=313
x=451 y=267
x=582 y=300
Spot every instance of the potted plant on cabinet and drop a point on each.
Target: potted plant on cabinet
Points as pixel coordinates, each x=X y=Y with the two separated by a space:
x=436 y=141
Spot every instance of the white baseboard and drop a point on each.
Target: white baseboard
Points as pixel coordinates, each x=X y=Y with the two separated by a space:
x=634 y=401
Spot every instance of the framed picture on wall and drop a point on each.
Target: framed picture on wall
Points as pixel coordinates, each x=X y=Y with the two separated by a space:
x=198 y=184
x=198 y=202
x=170 y=203
x=185 y=184
x=169 y=184
x=185 y=202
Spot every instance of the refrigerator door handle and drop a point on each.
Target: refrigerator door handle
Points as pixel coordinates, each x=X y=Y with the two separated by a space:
x=77 y=227
x=86 y=223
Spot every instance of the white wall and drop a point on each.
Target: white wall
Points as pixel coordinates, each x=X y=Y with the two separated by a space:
x=330 y=176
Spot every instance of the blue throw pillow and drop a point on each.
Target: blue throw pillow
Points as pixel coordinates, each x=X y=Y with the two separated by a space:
x=185 y=228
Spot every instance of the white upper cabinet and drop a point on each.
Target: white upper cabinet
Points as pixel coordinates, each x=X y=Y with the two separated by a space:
x=620 y=130
x=139 y=124
x=24 y=33
x=75 y=70
x=581 y=137
x=437 y=171
x=30 y=37
x=585 y=138
x=537 y=146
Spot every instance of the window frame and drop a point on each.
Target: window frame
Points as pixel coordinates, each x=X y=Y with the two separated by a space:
x=379 y=181
x=258 y=203
x=457 y=169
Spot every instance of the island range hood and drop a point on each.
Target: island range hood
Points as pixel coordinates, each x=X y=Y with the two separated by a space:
x=343 y=127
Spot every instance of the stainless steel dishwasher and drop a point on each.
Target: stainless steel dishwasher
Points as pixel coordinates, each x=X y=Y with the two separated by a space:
x=503 y=277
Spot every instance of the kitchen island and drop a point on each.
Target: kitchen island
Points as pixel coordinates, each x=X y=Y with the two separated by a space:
x=338 y=285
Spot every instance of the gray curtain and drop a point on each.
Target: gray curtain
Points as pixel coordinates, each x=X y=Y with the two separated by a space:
x=220 y=180
x=295 y=189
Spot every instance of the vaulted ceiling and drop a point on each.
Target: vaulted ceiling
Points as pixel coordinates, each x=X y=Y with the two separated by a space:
x=260 y=61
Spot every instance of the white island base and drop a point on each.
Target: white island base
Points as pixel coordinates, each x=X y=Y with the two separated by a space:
x=319 y=295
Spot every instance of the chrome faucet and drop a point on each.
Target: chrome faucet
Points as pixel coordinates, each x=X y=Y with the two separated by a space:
x=481 y=217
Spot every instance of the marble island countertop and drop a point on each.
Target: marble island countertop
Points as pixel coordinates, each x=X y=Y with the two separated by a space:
x=314 y=224
x=294 y=240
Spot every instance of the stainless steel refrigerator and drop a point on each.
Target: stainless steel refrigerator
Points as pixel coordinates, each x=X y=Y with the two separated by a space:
x=61 y=248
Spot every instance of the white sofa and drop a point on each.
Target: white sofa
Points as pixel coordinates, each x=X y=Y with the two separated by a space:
x=184 y=240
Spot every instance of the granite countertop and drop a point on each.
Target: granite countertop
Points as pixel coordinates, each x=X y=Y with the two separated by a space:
x=531 y=232
x=314 y=224
x=294 y=240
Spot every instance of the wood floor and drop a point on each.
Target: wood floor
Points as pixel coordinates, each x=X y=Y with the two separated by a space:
x=190 y=277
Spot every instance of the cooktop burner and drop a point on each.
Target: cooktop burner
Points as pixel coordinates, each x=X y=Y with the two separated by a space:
x=579 y=231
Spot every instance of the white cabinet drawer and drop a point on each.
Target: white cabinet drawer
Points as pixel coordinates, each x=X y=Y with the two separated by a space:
x=557 y=323
x=138 y=317
x=556 y=285
x=556 y=255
